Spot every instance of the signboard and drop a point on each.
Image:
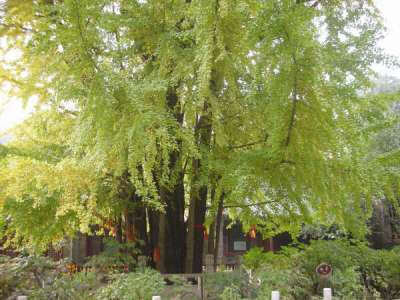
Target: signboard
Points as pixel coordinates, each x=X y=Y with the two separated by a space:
x=324 y=270
x=239 y=246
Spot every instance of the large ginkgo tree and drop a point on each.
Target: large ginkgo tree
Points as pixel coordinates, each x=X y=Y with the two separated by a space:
x=154 y=117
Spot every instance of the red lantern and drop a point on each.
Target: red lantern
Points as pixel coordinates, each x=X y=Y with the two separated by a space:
x=253 y=232
x=205 y=234
x=156 y=254
x=203 y=229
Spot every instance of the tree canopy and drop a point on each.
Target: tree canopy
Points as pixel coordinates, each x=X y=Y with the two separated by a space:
x=153 y=116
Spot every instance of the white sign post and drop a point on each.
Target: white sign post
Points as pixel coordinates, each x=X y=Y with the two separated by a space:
x=156 y=298
x=327 y=294
x=275 y=295
x=22 y=298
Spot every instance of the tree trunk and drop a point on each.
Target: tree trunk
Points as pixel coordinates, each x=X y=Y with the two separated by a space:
x=199 y=230
x=198 y=197
x=154 y=226
x=172 y=228
x=218 y=222
x=136 y=222
x=162 y=245
x=195 y=235
x=211 y=239
x=211 y=234
x=118 y=230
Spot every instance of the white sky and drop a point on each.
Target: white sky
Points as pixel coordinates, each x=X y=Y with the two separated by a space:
x=13 y=112
x=390 y=11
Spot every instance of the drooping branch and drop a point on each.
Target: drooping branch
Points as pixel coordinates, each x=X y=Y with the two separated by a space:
x=84 y=40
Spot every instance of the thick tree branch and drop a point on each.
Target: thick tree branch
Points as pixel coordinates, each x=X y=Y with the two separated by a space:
x=246 y=145
x=68 y=111
x=251 y=205
x=218 y=222
x=289 y=162
x=7 y=78
x=16 y=26
x=231 y=147
x=316 y=3
x=292 y=117
x=84 y=40
x=294 y=100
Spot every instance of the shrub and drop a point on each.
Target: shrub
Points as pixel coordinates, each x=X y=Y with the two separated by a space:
x=380 y=271
x=347 y=284
x=179 y=289
x=291 y=283
x=215 y=283
x=292 y=270
x=231 y=293
x=340 y=254
x=79 y=286
x=132 y=286
x=40 y=278
x=116 y=257
x=255 y=258
x=22 y=274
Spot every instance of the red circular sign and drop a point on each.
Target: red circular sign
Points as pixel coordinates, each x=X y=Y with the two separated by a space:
x=324 y=269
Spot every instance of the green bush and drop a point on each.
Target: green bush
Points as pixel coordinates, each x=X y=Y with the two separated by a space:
x=347 y=284
x=40 y=278
x=231 y=293
x=79 y=286
x=180 y=289
x=22 y=274
x=291 y=283
x=216 y=283
x=340 y=254
x=292 y=270
x=132 y=286
x=255 y=258
x=116 y=257
x=357 y=269
x=380 y=270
